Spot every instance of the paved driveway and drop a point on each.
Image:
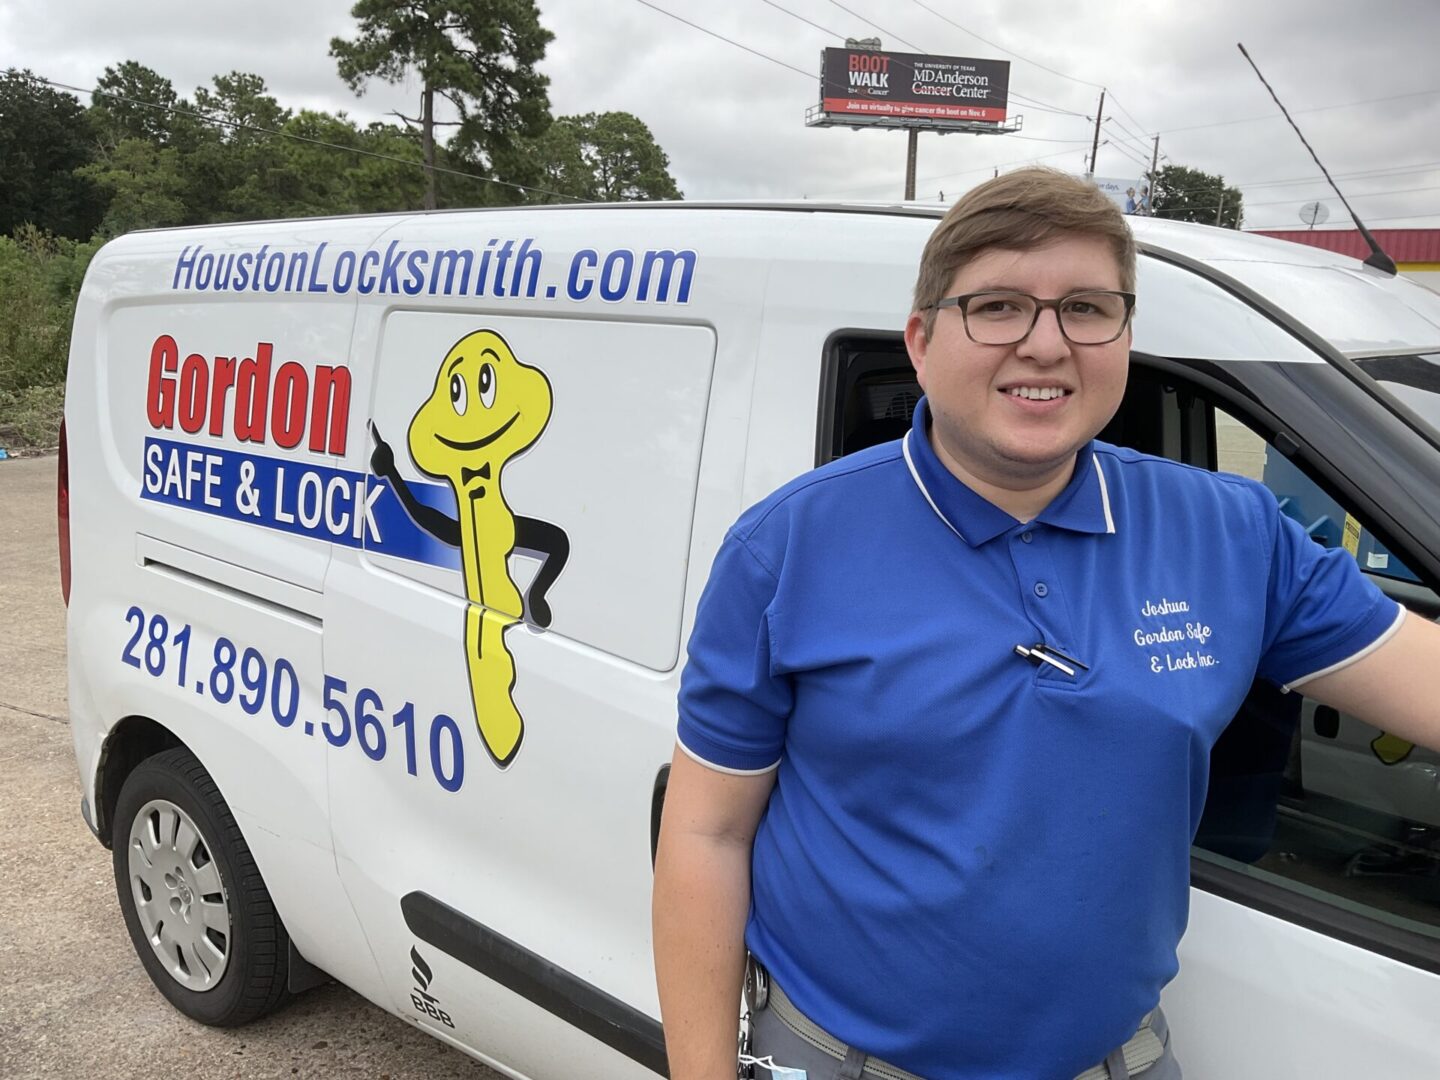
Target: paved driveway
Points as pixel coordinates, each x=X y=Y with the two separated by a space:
x=74 y=1000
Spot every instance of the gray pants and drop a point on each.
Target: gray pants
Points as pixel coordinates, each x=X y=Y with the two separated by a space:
x=770 y=1036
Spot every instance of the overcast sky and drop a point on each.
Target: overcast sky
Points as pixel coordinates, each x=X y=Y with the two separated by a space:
x=733 y=123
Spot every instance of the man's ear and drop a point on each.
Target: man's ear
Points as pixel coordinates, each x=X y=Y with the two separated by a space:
x=917 y=344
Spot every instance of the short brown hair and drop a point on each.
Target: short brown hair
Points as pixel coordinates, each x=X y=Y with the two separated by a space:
x=1019 y=211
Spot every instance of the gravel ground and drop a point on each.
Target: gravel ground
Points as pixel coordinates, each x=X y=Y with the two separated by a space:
x=74 y=1000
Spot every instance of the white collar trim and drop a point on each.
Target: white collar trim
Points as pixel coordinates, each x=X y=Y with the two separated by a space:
x=915 y=475
x=1104 y=493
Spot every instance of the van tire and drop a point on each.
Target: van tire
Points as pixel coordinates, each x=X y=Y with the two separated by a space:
x=254 y=969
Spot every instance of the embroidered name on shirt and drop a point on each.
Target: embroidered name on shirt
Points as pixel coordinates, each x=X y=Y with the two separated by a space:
x=1149 y=637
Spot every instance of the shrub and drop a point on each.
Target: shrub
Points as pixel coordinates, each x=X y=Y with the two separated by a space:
x=30 y=418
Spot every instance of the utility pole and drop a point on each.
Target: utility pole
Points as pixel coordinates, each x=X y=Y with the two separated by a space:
x=1095 y=143
x=1221 y=208
x=1154 y=164
x=910 y=164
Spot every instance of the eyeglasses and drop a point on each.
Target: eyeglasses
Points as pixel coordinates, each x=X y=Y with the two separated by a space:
x=1006 y=318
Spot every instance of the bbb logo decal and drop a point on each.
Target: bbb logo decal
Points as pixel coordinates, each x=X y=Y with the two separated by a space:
x=421 y=998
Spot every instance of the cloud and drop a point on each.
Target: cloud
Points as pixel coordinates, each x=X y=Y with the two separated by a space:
x=733 y=123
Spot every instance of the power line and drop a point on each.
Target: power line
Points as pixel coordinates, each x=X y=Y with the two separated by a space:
x=1036 y=102
x=1138 y=140
x=1125 y=152
x=787 y=11
x=1362 y=195
x=1008 y=52
x=1033 y=103
x=855 y=14
x=239 y=126
x=951 y=176
x=1044 y=107
x=729 y=41
x=1290 y=202
x=1397 y=170
x=802 y=18
x=1318 y=108
x=1388 y=217
x=1036 y=138
x=1120 y=105
x=1051 y=106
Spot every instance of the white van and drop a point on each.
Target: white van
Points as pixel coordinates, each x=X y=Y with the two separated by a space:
x=334 y=489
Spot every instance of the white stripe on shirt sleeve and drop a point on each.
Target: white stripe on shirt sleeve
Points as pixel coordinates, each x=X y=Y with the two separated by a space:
x=721 y=768
x=1386 y=636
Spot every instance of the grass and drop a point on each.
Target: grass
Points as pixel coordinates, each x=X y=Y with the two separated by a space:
x=30 y=417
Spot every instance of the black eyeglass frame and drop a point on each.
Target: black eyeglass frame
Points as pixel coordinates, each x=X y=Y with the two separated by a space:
x=1040 y=305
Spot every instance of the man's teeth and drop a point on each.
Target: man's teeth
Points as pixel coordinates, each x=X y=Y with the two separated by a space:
x=1037 y=393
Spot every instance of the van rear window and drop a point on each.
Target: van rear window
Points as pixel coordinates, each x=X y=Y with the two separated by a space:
x=869 y=397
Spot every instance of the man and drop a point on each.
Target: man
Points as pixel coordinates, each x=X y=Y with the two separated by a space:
x=946 y=672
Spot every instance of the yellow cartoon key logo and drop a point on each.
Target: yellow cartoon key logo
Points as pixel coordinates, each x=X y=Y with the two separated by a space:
x=486 y=408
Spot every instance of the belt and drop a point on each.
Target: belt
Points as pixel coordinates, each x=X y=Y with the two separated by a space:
x=1140 y=1051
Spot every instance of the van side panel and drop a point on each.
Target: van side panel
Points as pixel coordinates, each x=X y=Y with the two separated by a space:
x=843 y=273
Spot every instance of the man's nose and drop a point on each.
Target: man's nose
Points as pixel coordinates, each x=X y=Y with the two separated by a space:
x=1045 y=343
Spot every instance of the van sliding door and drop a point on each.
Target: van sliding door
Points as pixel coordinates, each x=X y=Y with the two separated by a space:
x=504 y=655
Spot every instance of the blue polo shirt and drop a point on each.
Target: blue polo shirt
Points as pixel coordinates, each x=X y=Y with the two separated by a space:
x=972 y=866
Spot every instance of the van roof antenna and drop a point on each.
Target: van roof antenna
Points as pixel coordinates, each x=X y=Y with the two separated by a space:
x=1378 y=259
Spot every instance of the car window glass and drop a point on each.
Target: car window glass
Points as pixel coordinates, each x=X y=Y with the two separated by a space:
x=1303 y=795
x=869 y=395
x=1240 y=450
x=1415 y=380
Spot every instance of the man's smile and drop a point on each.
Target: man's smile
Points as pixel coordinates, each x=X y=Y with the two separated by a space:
x=1037 y=393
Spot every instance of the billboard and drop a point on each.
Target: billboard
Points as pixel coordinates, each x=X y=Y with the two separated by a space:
x=891 y=85
x=1129 y=195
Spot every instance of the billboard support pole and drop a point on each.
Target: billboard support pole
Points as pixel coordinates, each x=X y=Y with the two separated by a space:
x=1095 y=143
x=914 y=134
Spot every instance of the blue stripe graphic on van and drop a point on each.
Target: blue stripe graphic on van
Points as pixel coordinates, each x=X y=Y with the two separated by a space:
x=340 y=506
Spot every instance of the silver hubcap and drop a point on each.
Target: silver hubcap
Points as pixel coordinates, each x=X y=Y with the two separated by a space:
x=178 y=895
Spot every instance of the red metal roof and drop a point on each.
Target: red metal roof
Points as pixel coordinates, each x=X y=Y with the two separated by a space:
x=1402 y=245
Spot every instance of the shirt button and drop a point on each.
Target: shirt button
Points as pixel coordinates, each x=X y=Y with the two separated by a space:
x=1025 y=536
x=1041 y=589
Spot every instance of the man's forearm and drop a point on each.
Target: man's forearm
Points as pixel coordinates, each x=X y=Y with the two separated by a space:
x=702 y=896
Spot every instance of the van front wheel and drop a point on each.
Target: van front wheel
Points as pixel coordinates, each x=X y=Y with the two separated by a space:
x=197 y=909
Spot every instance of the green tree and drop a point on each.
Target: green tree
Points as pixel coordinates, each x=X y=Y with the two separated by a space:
x=238 y=103
x=603 y=157
x=144 y=183
x=44 y=137
x=379 y=184
x=479 y=55
x=232 y=165
x=132 y=101
x=1186 y=194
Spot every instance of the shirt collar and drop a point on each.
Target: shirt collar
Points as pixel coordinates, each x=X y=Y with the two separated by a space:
x=1082 y=506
